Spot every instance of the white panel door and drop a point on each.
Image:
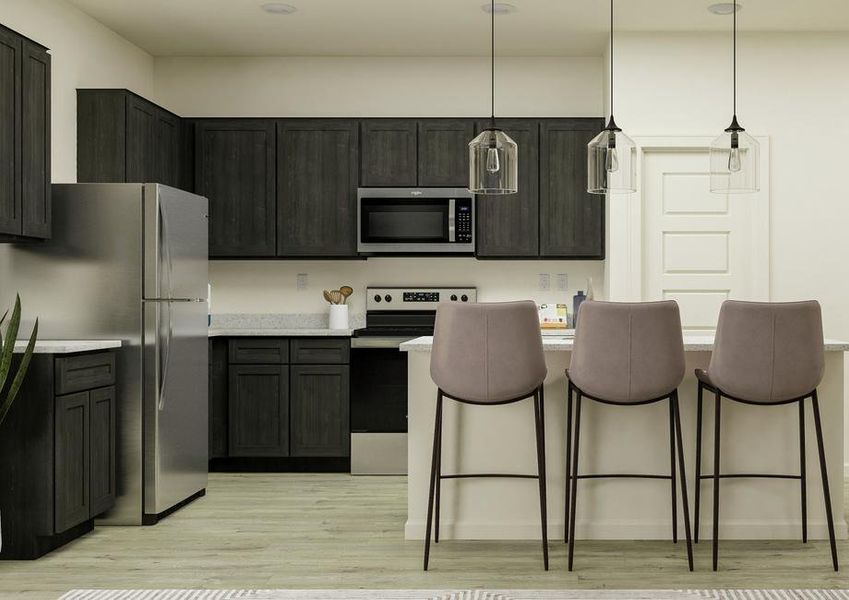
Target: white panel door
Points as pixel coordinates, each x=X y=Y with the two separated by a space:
x=699 y=248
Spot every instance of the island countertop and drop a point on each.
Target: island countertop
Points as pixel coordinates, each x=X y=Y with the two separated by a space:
x=67 y=346
x=693 y=342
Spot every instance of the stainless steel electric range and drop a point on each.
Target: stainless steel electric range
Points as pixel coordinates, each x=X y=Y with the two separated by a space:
x=379 y=372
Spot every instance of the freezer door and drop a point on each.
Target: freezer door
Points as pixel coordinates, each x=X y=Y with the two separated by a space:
x=175 y=403
x=175 y=244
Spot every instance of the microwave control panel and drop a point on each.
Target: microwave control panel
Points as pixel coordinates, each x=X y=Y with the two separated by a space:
x=463 y=225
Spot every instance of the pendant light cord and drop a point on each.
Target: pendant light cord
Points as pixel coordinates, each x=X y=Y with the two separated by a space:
x=611 y=59
x=735 y=59
x=492 y=65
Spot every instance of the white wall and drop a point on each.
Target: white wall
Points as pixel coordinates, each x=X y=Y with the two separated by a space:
x=378 y=86
x=375 y=86
x=84 y=54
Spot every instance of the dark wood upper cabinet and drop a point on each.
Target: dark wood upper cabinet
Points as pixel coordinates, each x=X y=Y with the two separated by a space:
x=317 y=176
x=571 y=221
x=25 y=209
x=259 y=410
x=124 y=138
x=389 y=153
x=320 y=410
x=234 y=169
x=444 y=152
x=508 y=225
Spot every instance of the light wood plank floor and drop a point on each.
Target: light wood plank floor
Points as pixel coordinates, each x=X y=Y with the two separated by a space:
x=335 y=531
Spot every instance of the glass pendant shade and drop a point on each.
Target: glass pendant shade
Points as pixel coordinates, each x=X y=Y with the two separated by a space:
x=734 y=162
x=493 y=163
x=611 y=163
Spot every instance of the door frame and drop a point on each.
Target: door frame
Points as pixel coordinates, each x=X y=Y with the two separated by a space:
x=625 y=272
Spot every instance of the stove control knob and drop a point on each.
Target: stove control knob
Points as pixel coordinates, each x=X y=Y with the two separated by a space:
x=377 y=298
x=464 y=298
x=453 y=297
x=388 y=298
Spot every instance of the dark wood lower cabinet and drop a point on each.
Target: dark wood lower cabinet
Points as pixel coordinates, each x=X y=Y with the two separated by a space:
x=320 y=410
x=57 y=458
x=259 y=410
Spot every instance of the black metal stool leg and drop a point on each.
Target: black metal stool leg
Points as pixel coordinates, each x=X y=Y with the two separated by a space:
x=825 y=487
x=697 y=507
x=437 y=500
x=568 y=461
x=539 y=426
x=672 y=470
x=716 y=462
x=683 y=470
x=803 y=470
x=437 y=427
x=573 y=495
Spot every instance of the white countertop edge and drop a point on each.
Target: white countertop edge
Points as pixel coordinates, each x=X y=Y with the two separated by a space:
x=692 y=343
x=294 y=332
x=68 y=346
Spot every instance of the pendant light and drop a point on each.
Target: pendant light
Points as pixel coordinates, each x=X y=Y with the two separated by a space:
x=734 y=155
x=493 y=155
x=611 y=155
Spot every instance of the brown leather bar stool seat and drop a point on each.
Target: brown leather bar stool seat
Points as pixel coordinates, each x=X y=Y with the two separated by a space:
x=765 y=354
x=627 y=354
x=486 y=355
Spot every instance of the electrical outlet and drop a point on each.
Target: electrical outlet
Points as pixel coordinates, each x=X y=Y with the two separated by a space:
x=562 y=282
x=302 y=281
x=544 y=282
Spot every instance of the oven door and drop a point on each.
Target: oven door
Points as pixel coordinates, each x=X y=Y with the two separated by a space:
x=405 y=224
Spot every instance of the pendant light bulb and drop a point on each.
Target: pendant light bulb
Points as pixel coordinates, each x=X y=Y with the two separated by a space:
x=492 y=163
x=611 y=161
x=734 y=162
x=493 y=155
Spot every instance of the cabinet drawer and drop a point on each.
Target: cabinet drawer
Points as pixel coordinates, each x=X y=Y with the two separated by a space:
x=320 y=351
x=84 y=372
x=259 y=351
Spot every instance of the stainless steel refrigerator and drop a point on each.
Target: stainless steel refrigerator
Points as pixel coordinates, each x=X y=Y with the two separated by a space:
x=129 y=262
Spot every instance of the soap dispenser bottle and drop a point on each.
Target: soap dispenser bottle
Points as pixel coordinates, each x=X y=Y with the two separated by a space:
x=576 y=305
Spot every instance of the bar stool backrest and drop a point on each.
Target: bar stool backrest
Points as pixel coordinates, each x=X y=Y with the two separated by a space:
x=628 y=352
x=768 y=352
x=488 y=352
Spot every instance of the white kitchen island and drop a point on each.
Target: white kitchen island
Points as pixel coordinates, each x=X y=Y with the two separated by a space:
x=620 y=440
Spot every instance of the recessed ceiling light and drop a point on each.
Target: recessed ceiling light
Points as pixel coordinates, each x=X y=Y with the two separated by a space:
x=725 y=8
x=278 y=8
x=501 y=8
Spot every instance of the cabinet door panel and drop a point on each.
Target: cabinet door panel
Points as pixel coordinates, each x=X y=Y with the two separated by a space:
x=71 y=476
x=320 y=410
x=35 y=141
x=167 y=148
x=508 y=225
x=217 y=398
x=235 y=170
x=389 y=148
x=317 y=175
x=102 y=450
x=141 y=141
x=259 y=410
x=10 y=133
x=571 y=220
x=444 y=152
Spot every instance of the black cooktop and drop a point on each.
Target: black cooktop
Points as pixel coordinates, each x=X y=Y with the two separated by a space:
x=396 y=331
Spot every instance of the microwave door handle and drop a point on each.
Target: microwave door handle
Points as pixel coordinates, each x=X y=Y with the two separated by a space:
x=452 y=225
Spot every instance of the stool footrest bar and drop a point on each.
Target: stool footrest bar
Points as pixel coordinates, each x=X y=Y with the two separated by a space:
x=471 y=475
x=753 y=476
x=622 y=476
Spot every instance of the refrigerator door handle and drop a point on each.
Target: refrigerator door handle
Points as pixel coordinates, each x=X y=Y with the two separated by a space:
x=166 y=250
x=166 y=351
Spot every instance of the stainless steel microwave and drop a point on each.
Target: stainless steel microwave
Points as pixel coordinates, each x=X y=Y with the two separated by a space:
x=415 y=221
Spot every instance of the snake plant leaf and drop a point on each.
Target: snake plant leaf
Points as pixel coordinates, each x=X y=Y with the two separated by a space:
x=8 y=348
x=18 y=381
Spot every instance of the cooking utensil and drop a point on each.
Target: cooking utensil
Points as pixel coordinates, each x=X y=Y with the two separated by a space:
x=328 y=297
x=337 y=296
x=346 y=291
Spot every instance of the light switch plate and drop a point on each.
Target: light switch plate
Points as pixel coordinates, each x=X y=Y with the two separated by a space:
x=302 y=281
x=544 y=282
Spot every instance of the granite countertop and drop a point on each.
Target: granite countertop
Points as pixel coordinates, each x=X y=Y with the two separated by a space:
x=68 y=346
x=280 y=325
x=692 y=343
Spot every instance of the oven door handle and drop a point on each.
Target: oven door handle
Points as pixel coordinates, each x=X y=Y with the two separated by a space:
x=452 y=220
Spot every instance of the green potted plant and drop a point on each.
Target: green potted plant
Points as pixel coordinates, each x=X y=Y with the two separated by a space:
x=7 y=349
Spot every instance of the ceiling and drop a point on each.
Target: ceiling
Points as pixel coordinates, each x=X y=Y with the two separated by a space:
x=429 y=27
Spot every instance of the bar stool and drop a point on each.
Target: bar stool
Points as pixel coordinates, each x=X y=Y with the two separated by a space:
x=488 y=355
x=765 y=354
x=627 y=354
